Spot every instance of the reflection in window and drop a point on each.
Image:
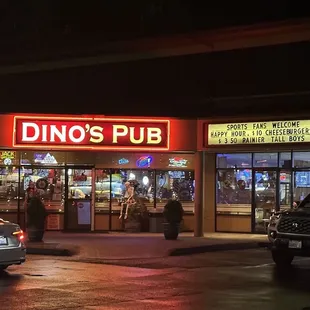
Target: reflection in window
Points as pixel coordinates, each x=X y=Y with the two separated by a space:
x=265 y=160
x=301 y=159
x=177 y=184
x=80 y=183
x=8 y=188
x=102 y=191
x=285 y=190
x=301 y=185
x=144 y=190
x=265 y=198
x=50 y=185
x=242 y=160
x=285 y=160
x=234 y=191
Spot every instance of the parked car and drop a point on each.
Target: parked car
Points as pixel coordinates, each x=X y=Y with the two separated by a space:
x=289 y=233
x=12 y=246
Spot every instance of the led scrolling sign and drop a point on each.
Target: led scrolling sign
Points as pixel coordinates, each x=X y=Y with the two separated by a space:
x=91 y=133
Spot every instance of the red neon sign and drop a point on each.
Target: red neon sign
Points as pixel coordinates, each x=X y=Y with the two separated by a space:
x=91 y=133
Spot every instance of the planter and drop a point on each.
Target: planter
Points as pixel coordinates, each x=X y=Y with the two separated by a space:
x=132 y=226
x=35 y=235
x=171 y=231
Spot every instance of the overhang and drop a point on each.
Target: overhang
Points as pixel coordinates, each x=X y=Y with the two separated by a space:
x=178 y=45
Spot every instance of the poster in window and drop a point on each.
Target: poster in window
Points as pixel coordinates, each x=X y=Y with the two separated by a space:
x=83 y=212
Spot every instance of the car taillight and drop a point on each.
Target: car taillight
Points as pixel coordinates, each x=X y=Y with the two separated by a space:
x=19 y=235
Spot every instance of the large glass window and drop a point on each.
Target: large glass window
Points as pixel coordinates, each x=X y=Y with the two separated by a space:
x=79 y=183
x=265 y=160
x=301 y=159
x=8 y=188
x=102 y=191
x=285 y=160
x=265 y=198
x=241 y=160
x=234 y=191
x=144 y=180
x=50 y=185
x=175 y=184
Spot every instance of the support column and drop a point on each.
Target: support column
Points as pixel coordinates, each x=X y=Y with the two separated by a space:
x=199 y=169
x=93 y=198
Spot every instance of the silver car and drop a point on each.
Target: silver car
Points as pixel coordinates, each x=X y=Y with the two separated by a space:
x=12 y=246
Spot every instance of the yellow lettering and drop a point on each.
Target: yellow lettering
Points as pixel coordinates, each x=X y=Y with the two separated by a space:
x=119 y=131
x=96 y=134
x=132 y=138
x=154 y=136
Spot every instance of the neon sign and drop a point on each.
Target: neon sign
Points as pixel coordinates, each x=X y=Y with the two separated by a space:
x=144 y=161
x=178 y=162
x=123 y=161
x=91 y=133
x=7 y=157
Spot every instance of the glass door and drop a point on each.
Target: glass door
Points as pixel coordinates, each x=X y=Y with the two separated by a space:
x=79 y=198
x=265 y=198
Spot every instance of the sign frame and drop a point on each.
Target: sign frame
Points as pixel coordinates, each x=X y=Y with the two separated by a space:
x=205 y=134
x=91 y=147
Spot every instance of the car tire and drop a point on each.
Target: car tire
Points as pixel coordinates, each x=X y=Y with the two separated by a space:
x=3 y=267
x=282 y=259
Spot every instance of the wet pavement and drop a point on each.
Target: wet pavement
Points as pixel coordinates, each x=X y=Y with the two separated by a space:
x=221 y=280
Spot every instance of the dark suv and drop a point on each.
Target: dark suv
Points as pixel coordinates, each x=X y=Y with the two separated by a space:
x=289 y=233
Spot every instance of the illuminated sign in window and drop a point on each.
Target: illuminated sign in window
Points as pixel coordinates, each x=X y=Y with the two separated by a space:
x=144 y=162
x=44 y=158
x=123 y=161
x=7 y=157
x=178 y=162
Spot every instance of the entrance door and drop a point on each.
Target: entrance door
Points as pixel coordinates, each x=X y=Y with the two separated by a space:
x=79 y=198
x=265 y=198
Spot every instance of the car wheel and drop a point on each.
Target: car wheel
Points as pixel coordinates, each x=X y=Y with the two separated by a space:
x=282 y=259
x=3 y=267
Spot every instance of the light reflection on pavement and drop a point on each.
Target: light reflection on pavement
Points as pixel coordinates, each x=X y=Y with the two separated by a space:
x=222 y=280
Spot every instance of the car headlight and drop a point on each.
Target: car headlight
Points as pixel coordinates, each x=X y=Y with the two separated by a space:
x=274 y=219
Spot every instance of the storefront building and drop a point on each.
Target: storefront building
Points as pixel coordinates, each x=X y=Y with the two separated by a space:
x=251 y=169
x=81 y=163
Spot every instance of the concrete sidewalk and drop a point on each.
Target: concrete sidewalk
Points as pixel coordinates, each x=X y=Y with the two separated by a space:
x=122 y=246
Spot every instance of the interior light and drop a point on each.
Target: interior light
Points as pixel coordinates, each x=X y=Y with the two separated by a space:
x=69 y=171
x=132 y=176
x=145 y=180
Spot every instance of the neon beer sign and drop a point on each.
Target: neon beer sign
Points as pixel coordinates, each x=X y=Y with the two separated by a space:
x=91 y=133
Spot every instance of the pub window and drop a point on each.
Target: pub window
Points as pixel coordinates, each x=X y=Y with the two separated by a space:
x=175 y=184
x=240 y=160
x=265 y=160
x=8 y=188
x=234 y=191
x=285 y=160
x=301 y=159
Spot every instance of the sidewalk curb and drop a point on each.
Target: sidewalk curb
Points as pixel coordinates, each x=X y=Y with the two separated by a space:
x=52 y=251
x=216 y=248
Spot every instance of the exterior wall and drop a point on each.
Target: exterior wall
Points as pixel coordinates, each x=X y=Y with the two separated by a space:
x=177 y=156
x=209 y=193
x=241 y=220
